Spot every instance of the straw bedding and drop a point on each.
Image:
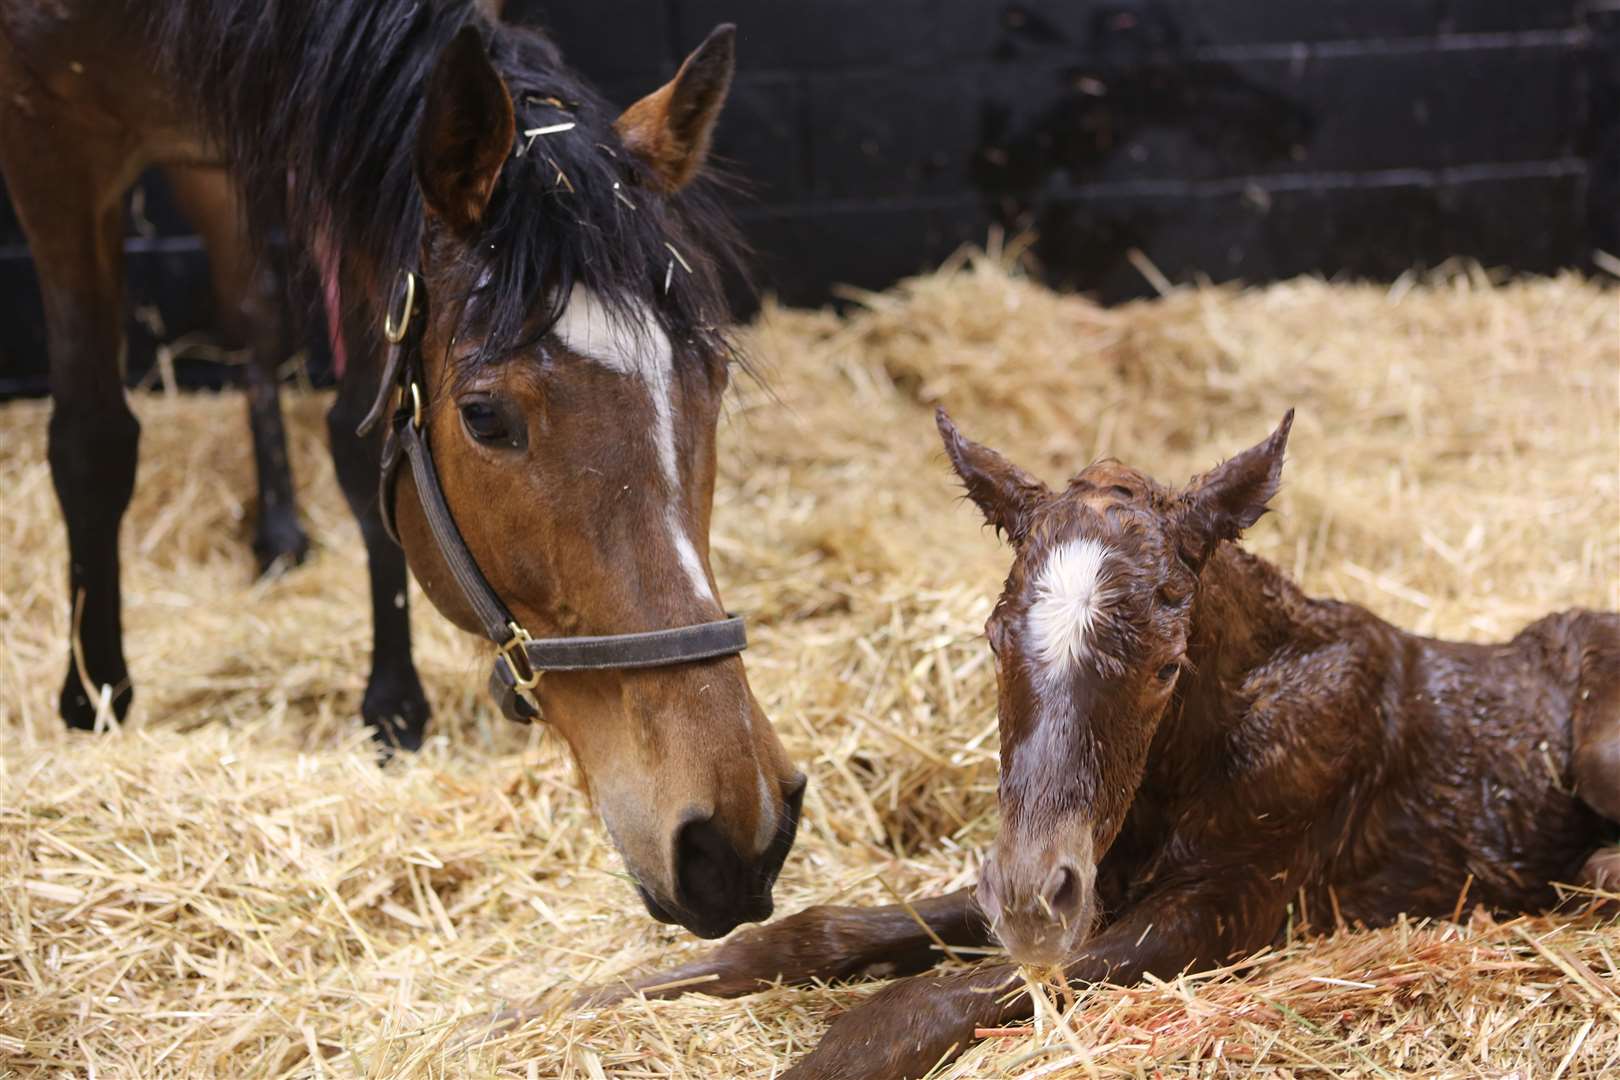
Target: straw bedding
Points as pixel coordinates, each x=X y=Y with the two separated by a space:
x=231 y=886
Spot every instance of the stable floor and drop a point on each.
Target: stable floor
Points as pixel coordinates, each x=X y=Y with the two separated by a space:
x=231 y=886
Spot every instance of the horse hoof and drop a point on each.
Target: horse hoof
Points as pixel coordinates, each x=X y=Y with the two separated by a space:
x=397 y=713
x=79 y=707
x=1602 y=870
x=279 y=544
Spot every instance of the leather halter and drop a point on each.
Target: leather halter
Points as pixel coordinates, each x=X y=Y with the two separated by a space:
x=520 y=659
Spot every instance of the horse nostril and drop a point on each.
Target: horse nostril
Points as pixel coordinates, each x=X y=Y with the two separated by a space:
x=793 y=793
x=708 y=871
x=1061 y=895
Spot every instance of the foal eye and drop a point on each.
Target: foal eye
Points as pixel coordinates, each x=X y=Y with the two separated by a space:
x=1168 y=672
x=483 y=422
x=1120 y=489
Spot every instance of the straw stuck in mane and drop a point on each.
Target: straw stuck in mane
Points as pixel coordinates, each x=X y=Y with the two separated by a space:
x=323 y=136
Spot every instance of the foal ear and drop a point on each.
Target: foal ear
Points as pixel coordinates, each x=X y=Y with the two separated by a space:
x=467 y=133
x=669 y=129
x=1233 y=495
x=1006 y=494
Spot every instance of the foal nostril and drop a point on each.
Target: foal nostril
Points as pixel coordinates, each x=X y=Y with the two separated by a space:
x=1061 y=895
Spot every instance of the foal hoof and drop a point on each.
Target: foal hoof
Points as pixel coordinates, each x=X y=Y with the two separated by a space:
x=279 y=544
x=79 y=708
x=1602 y=870
x=397 y=712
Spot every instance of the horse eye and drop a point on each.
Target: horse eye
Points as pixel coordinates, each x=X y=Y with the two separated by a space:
x=1168 y=672
x=483 y=422
x=1120 y=489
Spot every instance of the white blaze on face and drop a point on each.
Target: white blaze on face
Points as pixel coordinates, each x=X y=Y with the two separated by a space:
x=643 y=352
x=1069 y=599
x=1070 y=602
x=765 y=830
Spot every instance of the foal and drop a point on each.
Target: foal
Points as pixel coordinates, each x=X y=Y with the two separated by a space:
x=1189 y=743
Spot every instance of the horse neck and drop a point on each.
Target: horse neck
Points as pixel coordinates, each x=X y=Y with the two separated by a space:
x=322 y=133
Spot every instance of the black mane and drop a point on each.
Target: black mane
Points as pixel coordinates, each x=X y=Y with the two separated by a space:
x=316 y=106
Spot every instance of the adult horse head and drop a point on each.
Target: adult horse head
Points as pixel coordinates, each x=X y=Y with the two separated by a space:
x=558 y=335
x=569 y=366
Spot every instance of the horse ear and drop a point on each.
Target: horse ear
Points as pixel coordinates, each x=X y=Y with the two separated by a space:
x=1233 y=495
x=1006 y=494
x=467 y=133
x=669 y=129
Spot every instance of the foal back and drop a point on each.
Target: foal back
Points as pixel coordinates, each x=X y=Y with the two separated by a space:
x=1497 y=765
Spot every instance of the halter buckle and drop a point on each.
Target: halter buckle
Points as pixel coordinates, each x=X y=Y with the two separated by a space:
x=395 y=331
x=514 y=648
x=416 y=407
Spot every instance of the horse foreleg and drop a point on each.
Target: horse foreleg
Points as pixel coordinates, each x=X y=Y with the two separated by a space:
x=248 y=301
x=394 y=704
x=909 y=1027
x=825 y=943
x=66 y=190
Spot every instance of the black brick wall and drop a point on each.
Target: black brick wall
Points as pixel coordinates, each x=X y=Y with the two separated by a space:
x=1246 y=139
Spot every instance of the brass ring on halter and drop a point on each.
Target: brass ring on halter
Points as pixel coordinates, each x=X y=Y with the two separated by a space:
x=513 y=649
x=416 y=407
x=395 y=331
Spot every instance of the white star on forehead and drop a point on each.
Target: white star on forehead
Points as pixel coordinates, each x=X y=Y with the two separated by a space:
x=1070 y=596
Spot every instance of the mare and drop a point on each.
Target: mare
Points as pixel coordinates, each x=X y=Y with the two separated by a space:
x=1189 y=743
x=542 y=275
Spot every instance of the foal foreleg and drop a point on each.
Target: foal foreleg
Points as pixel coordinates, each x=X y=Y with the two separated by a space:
x=822 y=942
x=908 y=1027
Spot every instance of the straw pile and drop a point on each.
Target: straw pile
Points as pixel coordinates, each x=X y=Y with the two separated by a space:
x=230 y=886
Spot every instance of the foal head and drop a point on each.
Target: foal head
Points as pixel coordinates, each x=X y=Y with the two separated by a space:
x=575 y=363
x=1090 y=637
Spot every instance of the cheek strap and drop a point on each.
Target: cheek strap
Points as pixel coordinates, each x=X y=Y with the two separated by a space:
x=520 y=659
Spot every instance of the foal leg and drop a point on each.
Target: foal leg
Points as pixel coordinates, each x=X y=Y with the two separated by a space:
x=248 y=298
x=909 y=1027
x=822 y=942
x=67 y=190
x=394 y=704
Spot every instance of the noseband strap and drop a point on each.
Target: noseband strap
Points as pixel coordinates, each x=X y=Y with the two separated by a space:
x=520 y=659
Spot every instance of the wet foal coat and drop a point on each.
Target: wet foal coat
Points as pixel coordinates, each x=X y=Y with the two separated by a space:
x=1201 y=745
